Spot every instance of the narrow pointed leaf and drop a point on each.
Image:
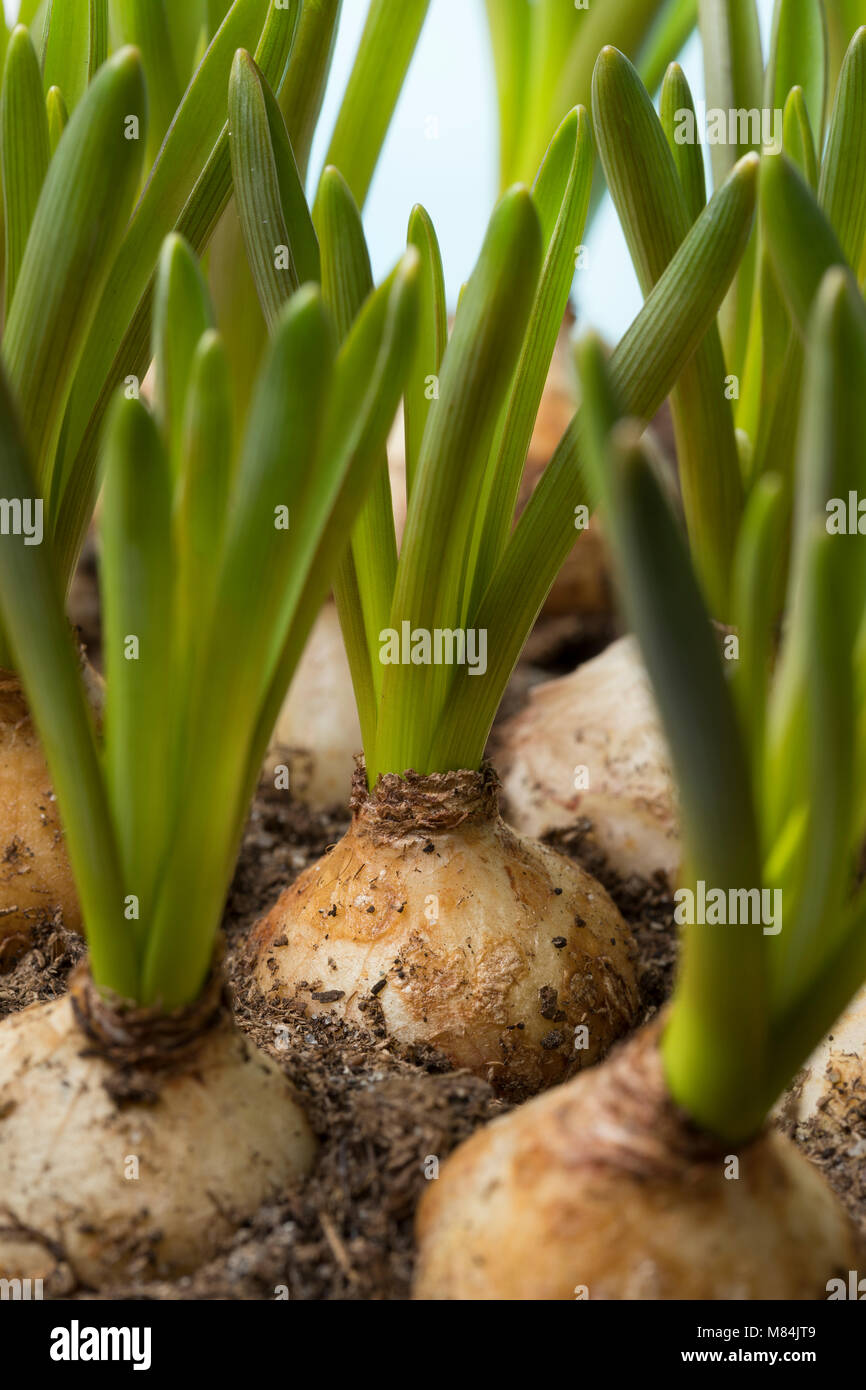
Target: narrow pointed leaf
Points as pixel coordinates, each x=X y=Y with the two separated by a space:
x=278 y=232
x=58 y=116
x=715 y=1078
x=798 y=58
x=282 y=442
x=181 y=314
x=561 y=197
x=347 y=280
x=385 y=51
x=842 y=190
x=33 y=617
x=797 y=139
x=433 y=586
x=304 y=91
x=77 y=227
x=509 y=23
x=24 y=149
x=202 y=490
x=188 y=191
x=76 y=45
x=432 y=340
x=800 y=240
x=649 y=197
x=145 y=24
x=644 y=366
x=676 y=99
x=137 y=591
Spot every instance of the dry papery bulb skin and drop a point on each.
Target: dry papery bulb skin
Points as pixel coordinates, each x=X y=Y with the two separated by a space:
x=133 y=1145
x=432 y=921
x=318 y=733
x=590 y=745
x=831 y=1086
x=35 y=876
x=603 y=1189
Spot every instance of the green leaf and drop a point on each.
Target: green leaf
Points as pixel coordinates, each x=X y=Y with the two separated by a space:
x=370 y=376
x=713 y=1074
x=798 y=58
x=842 y=190
x=365 y=584
x=304 y=91
x=145 y=24
x=433 y=584
x=812 y=930
x=509 y=23
x=75 y=45
x=202 y=492
x=384 y=53
x=431 y=343
x=649 y=198
x=829 y=465
x=31 y=609
x=181 y=314
x=734 y=72
x=644 y=366
x=137 y=584
x=800 y=240
x=758 y=564
x=624 y=25
x=58 y=117
x=666 y=38
x=186 y=25
x=797 y=139
x=24 y=149
x=260 y=561
x=76 y=230
x=561 y=197
x=187 y=191
x=676 y=99
x=278 y=232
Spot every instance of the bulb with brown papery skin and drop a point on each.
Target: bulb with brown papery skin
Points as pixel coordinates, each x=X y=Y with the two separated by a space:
x=434 y=921
x=130 y=1151
x=35 y=875
x=603 y=1189
x=590 y=744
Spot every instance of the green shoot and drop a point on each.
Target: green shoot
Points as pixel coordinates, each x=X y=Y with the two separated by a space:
x=463 y=575
x=212 y=560
x=543 y=56
x=754 y=997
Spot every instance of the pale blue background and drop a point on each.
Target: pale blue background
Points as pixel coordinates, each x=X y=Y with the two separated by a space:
x=454 y=174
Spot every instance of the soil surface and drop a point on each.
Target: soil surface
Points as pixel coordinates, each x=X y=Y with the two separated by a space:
x=386 y=1115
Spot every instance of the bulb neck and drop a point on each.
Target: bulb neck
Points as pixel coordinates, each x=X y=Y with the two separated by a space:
x=415 y=804
x=143 y=1044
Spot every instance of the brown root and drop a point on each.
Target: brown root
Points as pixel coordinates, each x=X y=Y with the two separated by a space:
x=603 y=1189
x=433 y=921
